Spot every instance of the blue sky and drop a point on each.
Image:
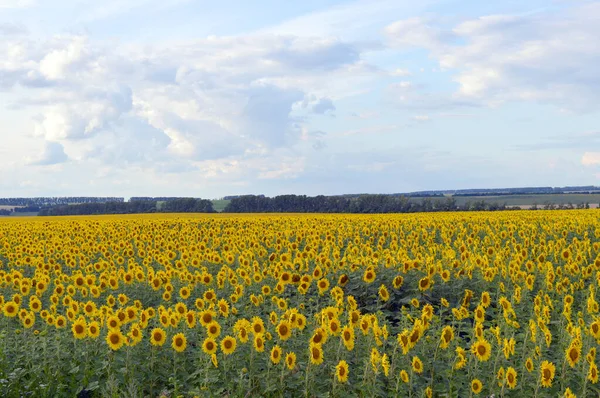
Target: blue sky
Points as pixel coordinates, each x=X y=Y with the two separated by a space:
x=204 y=98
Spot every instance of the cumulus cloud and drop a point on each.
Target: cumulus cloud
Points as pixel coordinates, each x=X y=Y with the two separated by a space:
x=53 y=153
x=94 y=111
x=547 y=57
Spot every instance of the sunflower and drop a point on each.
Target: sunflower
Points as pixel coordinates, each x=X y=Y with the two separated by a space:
x=511 y=377
x=79 y=328
x=10 y=309
x=341 y=371
x=316 y=354
x=404 y=376
x=319 y=336
x=569 y=394
x=424 y=283
x=482 y=350
x=223 y=308
x=369 y=275
x=61 y=322
x=334 y=327
x=115 y=339
x=179 y=342
x=547 y=370
x=184 y=292
x=228 y=345
x=276 y=354
x=476 y=386
x=323 y=285
x=479 y=314
x=417 y=365
x=284 y=330
x=384 y=295
x=213 y=329
x=573 y=353
x=290 y=360
x=258 y=326
x=158 y=337
x=593 y=373
x=190 y=319
x=348 y=337
x=209 y=346
x=446 y=337
x=259 y=342
x=207 y=316
x=385 y=364
x=135 y=334
x=113 y=322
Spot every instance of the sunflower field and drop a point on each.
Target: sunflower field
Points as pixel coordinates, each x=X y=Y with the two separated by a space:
x=411 y=305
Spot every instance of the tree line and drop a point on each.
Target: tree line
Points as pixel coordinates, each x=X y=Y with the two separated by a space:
x=361 y=204
x=55 y=201
x=180 y=205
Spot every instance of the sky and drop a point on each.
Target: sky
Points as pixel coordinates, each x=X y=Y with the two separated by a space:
x=213 y=98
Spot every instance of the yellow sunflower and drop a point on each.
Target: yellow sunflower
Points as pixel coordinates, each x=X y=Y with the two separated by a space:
x=79 y=328
x=158 y=337
x=276 y=354
x=290 y=360
x=228 y=345
x=179 y=342
x=209 y=346
x=115 y=339
x=341 y=371
x=547 y=371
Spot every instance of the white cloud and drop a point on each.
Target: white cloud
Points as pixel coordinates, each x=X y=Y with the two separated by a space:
x=590 y=159
x=16 y=3
x=547 y=57
x=53 y=153
x=399 y=72
x=92 y=112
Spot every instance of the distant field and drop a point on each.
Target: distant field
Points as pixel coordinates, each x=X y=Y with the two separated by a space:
x=524 y=200
x=8 y=207
x=219 y=205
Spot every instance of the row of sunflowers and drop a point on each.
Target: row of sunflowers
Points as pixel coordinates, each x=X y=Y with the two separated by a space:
x=445 y=305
